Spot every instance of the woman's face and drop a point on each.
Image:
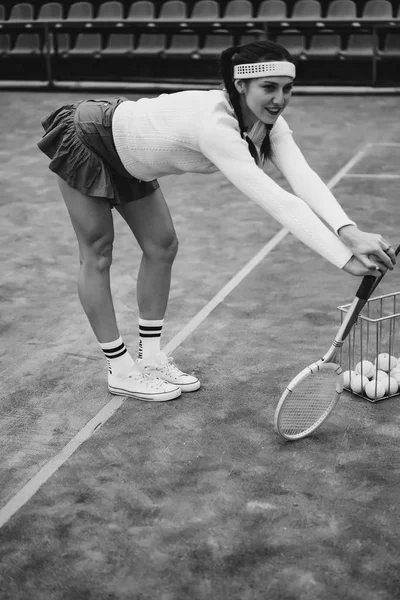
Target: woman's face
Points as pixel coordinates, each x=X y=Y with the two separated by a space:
x=264 y=98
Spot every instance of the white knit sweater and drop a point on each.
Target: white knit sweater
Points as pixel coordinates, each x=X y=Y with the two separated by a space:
x=197 y=131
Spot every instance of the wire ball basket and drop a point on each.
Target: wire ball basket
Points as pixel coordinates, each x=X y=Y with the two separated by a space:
x=370 y=357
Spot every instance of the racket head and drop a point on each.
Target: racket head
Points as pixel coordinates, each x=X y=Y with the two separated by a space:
x=308 y=400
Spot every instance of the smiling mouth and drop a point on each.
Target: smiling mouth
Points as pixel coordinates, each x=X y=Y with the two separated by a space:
x=273 y=111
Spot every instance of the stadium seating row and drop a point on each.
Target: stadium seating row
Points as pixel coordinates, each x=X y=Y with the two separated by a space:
x=324 y=46
x=176 y=11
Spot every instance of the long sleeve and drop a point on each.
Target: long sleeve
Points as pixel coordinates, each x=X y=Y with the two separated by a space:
x=305 y=182
x=220 y=141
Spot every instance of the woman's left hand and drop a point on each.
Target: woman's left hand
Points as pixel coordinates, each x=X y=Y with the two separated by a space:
x=371 y=249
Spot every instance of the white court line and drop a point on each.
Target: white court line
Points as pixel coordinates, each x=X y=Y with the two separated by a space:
x=40 y=478
x=221 y=295
x=349 y=165
x=372 y=176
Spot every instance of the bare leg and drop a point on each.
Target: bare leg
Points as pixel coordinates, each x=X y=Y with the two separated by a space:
x=150 y=221
x=93 y=224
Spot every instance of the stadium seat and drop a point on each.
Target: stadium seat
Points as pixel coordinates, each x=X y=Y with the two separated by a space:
x=27 y=44
x=306 y=10
x=359 y=46
x=21 y=13
x=182 y=46
x=215 y=43
x=87 y=44
x=151 y=44
x=378 y=10
x=110 y=11
x=173 y=10
x=119 y=44
x=5 y=44
x=254 y=36
x=50 y=12
x=324 y=45
x=294 y=42
x=63 y=44
x=142 y=11
x=205 y=10
x=272 y=10
x=342 y=10
x=80 y=11
x=391 y=47
x=238 y=10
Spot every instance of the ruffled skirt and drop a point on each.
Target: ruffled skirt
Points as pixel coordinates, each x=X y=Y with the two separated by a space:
x=78 y=140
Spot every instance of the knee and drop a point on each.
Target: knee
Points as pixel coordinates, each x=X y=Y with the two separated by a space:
x=98 y=255
x=163 y=249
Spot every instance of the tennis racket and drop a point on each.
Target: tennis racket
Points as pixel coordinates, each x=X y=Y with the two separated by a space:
x=312 y=395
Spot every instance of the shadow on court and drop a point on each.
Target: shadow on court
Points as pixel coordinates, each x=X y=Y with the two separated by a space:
x=195 y=498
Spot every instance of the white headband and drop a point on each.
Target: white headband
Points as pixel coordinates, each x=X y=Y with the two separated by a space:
x=264 y=69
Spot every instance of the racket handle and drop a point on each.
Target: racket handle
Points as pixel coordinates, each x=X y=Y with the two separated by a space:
x=367 y=285
x=370 y=282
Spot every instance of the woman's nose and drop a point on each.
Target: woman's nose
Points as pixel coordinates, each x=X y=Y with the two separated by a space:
x=278 y=98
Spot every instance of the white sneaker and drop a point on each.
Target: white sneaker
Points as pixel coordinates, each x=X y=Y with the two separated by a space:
x=163 y=366
x=143 y=386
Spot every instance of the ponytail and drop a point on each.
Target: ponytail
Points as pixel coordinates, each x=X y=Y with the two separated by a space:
x=249 y=53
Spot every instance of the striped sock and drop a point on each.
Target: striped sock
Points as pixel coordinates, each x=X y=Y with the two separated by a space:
x=118 y=358
x=149 y=337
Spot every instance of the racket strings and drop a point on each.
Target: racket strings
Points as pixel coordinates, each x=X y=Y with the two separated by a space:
x=309 y=402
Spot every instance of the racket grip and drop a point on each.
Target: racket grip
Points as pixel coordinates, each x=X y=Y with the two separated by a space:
x=370 y=282
x=367 y=285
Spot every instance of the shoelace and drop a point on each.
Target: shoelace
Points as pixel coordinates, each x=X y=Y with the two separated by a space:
x=174 y=370
x=167 y=364
x=151 y=380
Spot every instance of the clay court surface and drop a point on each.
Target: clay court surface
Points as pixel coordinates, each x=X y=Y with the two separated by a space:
x=194 y=499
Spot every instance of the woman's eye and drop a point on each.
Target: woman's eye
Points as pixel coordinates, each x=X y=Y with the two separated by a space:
x=270 y=90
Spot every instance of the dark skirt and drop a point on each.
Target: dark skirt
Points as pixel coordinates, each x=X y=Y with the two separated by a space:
x=79 y=142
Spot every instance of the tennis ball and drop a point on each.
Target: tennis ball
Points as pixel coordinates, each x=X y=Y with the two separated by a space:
x=391 y=385
x=395 y=374
x=365 y=367
x=348 y=376
x=385 y=361
x=358 y=383
x=375 y=389
x=379 y=374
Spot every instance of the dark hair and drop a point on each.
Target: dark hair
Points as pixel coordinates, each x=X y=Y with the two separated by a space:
x=261 y=51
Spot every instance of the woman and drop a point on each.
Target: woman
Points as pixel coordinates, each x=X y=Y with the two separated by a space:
x=109 y=154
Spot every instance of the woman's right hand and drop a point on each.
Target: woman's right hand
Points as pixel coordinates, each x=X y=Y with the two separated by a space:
x=356 y=268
